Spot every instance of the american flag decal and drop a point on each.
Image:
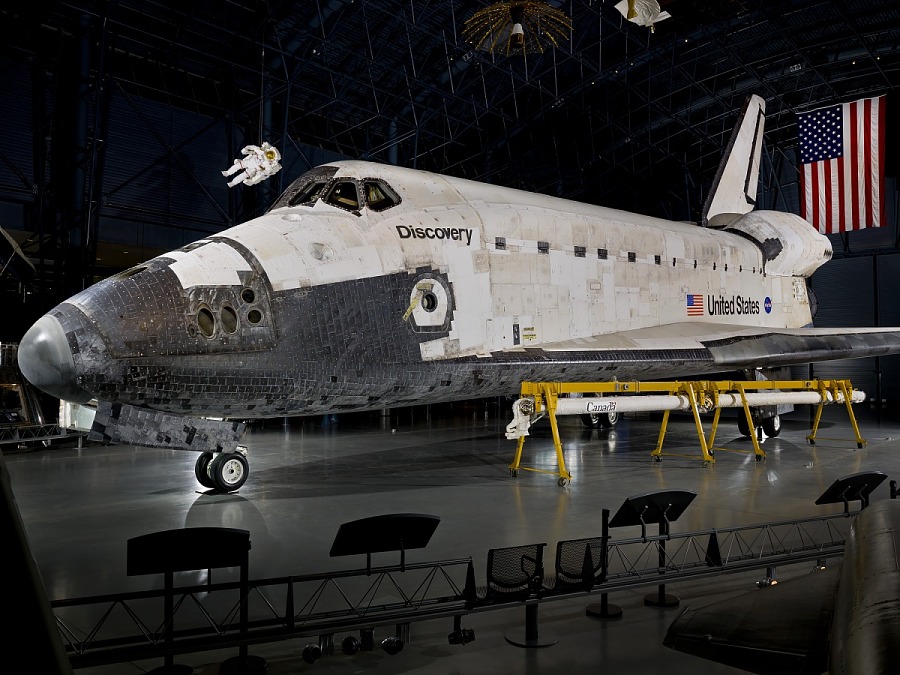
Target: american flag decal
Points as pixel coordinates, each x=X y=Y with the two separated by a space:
x=694 y=304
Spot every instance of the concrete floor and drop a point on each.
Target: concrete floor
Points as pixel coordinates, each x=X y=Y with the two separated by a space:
x=80 y=506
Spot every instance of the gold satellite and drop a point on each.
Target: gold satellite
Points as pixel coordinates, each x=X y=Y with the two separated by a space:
x=517 y=27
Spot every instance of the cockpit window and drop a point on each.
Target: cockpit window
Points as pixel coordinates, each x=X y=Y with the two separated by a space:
x=301 y=191
x=308 y=194
x=343 y=194
x=379 y=196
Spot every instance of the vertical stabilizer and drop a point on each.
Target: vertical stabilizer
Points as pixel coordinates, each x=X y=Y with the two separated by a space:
x=733 y=191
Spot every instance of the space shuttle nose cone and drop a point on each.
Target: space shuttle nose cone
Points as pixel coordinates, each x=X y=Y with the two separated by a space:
x=46 y=361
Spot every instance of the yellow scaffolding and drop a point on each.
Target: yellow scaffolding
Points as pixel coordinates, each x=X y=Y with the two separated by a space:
x=703 y=395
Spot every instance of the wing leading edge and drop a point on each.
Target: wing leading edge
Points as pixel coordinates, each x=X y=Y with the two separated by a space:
x=676 y=350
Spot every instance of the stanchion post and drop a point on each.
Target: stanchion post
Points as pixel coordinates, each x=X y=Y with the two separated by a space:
x=603 y=609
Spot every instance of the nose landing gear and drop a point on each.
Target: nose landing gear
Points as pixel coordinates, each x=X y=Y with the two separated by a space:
x=223 y=471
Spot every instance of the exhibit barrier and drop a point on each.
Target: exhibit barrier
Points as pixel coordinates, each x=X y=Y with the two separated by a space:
x=116 y=628
x=38 y=434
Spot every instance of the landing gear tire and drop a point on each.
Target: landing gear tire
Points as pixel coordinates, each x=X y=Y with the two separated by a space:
x=600 y=420
x=562 y=482
x=201 y=470
x=229 y=471
x=772 y=426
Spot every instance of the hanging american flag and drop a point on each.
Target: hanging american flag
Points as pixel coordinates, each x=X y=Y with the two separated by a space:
x=842 y=165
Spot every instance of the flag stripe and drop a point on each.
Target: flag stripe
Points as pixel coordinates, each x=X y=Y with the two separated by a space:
x=840 y=182
x=806 y=190
x=853 y=181
x=867 y=158
x=819 y=193
x=882 y=126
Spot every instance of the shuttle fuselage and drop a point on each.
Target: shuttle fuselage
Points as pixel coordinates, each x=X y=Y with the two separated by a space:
x=455 y=290
x=369 y=286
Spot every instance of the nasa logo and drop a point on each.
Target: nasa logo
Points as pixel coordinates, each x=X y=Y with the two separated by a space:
x=767 y=303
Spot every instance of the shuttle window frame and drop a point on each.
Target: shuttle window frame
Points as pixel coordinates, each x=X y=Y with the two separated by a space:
x=338 y=194
x=309 y=194
x=298 y=191
x=387 y=199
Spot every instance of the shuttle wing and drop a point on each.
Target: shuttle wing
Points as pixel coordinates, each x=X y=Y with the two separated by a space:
x=696 y=348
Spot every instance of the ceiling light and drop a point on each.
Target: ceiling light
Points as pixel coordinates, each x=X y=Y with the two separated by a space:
x=517 y=27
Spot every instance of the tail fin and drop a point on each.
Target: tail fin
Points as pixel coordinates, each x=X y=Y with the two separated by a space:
x=733 y=191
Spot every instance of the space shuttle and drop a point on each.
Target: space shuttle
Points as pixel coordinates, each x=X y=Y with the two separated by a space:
x=368 y=286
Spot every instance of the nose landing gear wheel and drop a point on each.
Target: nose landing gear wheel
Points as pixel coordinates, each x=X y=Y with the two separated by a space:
x=229 y=471
x=201 y=470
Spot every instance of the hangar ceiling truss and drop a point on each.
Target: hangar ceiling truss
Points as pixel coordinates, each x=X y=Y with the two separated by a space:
x=616 y=115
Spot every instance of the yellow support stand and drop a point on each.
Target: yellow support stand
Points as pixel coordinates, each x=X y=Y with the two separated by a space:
x=548 y=395
x=842 y=388
x=694 y=392
x=703 y=396
x=740 y=388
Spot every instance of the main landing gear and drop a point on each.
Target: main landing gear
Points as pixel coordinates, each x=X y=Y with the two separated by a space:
x=600 y=420
x=771 y=426
x=223 y=471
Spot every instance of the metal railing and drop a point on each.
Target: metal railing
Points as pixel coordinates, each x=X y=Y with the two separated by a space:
x=36 y=433
x=635 y=562
x=123 y=627
x=206 y=616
